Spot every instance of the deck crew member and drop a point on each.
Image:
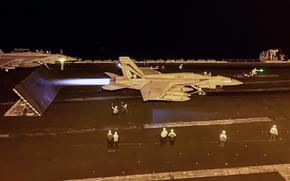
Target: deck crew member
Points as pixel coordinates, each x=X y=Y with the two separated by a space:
x=115 y=109
x=163 y=136
x=110 y=139
x=273 y=133
x=124 y=107
x=172 y=136
x=223 y=138
x=254 y=72
x=116 y=139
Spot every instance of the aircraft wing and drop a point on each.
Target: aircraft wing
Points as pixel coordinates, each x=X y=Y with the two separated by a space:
x=164 y=91
x=12 y=62
x=9 y=63
x=6 y=61
x=154 y=90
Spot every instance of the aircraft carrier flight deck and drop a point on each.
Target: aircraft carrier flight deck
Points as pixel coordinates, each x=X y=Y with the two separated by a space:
x=66 y=138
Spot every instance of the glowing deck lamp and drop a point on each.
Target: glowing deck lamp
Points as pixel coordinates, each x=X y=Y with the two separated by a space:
x=119 y=65
x=62 y=60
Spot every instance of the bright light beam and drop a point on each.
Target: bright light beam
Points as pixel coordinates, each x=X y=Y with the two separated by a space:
x=84 y=82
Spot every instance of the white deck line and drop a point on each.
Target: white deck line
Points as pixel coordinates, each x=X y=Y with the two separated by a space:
x=282 y=169
x=208 y=123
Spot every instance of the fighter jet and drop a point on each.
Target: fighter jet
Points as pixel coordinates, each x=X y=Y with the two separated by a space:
x=26 y=58
x=164 y=87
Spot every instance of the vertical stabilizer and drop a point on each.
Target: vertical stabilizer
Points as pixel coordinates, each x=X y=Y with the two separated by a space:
x=130 y=69
x=1 y=52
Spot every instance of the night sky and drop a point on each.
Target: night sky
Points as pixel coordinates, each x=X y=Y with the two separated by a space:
x=146 y=29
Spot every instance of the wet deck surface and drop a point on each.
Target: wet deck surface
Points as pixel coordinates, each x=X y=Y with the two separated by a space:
x=68 y=141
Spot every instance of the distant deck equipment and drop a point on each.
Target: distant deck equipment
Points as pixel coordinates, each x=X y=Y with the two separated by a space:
x=273 y=55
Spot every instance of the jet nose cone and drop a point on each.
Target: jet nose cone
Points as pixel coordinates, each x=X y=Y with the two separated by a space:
x=237 y=82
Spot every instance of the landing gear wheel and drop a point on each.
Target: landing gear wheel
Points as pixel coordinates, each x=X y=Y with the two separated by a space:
x=198 y=91
x=202 y=93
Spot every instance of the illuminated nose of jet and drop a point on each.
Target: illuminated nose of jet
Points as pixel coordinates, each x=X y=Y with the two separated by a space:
x=229 y=82
x=236 y=82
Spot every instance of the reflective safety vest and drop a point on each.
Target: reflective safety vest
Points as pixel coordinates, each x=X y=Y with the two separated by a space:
x=124 y=108
x=274 y=131
x=172 y=135
x=115 y=138
x=223 y=137
x=164 y=134
x=115 y=110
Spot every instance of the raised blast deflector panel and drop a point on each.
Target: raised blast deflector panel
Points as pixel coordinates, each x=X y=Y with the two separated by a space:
x=38 y=91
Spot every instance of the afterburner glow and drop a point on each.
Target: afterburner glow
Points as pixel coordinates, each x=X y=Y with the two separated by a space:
x=84 y=81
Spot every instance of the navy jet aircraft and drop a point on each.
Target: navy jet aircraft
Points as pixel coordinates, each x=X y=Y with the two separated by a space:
x=164 y=87
x=25 y=58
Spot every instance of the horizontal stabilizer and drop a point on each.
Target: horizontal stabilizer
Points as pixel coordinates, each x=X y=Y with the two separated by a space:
x=111 y=75
x=112 y=87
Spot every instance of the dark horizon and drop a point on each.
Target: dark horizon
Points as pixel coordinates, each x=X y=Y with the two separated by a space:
x=147 y=30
